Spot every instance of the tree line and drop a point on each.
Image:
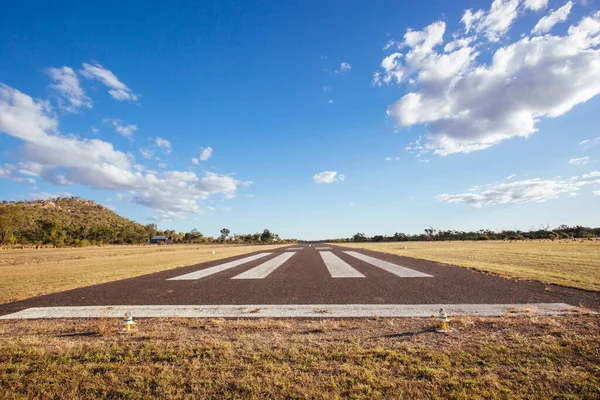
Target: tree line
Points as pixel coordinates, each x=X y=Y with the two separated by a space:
x=431 y=234
x=195 y=236
x=64 y=222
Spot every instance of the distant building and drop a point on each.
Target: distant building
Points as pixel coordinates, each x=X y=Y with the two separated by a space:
x=159 y=240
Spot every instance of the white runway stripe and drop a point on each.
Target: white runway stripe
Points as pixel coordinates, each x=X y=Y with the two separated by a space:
x=337 y=267
x=218 y=268
x=293 y=311
x=293 y=248
x=322 y=248
x=264 y=269
x=397 y=270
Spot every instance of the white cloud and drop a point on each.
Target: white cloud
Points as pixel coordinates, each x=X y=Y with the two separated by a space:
x=46 y=195
x=147 y=153
x=124 y=130
x=423 y=161
x=591 y=175
x=330 y=101
x=66 y=84
x=589 y=143
x=118 y=89
x=508 y=178
x=546 y=23
x=163 y=144
x=167 y=216
x=596 y=192
x=532 y=190
x=579 y=161
x=469 y=106
x=97 y=164
x=195 y=161
x=111 y=207
x=9 y=171
x=206 y=153
x=343 y=68
x=494 y=23
x=6 y=172
x=328 y=177
x=536 y=5
x=388 y=159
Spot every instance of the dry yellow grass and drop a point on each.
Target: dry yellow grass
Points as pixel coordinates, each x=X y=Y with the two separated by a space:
x=567 y=263
x=507 y=357
x=27 y=273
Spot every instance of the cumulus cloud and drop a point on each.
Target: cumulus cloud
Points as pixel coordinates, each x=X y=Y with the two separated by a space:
x=92 y=162
x=118 y=89
x=579 y=161
x=9 y=172
x=536 y=5
x=532 y=190
x=146 y=153
x=328 y=177
x=122 y=129
x=596 y=192
x=67 y=85
x=46 y=195
x=344 y=67
x=592 y=175
x=546 y=23
x=468 y=105
x=494 y=23
x=206 y=153
x=164 y=144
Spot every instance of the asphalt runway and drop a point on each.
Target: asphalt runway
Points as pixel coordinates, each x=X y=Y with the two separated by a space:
x=307 y=276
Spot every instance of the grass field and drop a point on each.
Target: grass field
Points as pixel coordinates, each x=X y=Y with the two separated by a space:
x=27 y=273
x=567 y=263
x=507 y=357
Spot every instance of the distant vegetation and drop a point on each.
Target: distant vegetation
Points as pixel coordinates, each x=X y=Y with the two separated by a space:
x=430 y=234
x=63 y=222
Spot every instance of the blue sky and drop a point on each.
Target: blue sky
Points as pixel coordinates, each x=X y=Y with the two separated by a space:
x=313 y=119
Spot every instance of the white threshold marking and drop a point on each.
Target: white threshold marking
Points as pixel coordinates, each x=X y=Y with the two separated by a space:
x=218 y=268
x=264 y=269
x=337 y=267
x=293 y=248
x=392 y=268
x=322 y=248
x=294 y=311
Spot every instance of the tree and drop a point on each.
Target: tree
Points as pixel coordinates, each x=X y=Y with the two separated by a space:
x=360 y=237
x=266 y=236
x=224 y=233
x=151 y=230
x=6 y=226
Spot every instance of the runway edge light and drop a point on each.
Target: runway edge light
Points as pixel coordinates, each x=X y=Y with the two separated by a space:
x=127 y=323
x=443 y=318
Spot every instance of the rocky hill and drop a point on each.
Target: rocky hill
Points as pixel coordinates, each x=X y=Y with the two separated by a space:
x=65 y=222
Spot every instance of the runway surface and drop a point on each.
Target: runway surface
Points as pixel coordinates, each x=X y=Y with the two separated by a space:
x=306 y=278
